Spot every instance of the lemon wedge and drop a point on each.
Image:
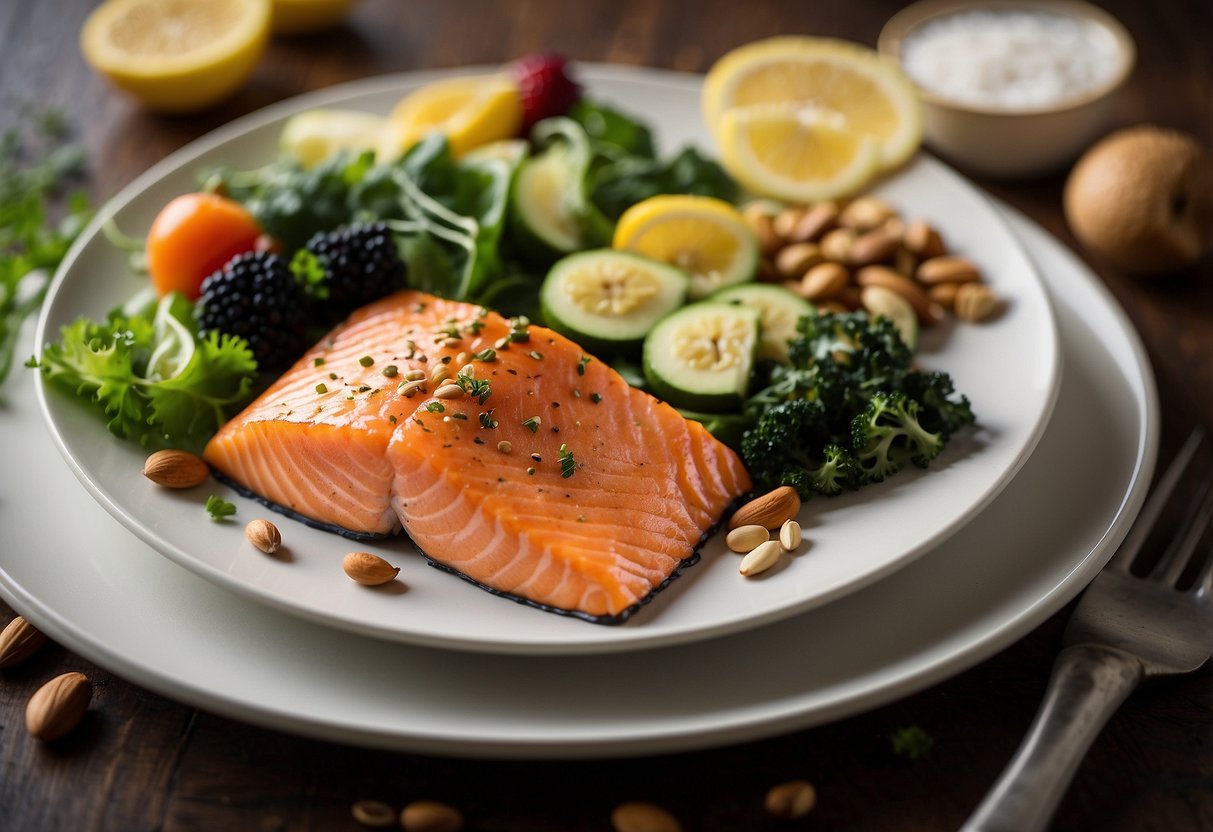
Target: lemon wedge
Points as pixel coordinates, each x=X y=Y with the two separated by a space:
x=704 y=236
x=470 y=111
x=761 y=99
x=179 y=55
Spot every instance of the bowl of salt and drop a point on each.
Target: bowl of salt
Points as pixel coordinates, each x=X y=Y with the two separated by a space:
x=1011 y=89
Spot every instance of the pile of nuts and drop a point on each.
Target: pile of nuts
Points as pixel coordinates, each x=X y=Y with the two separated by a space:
x=830 y=253
x=751 y=525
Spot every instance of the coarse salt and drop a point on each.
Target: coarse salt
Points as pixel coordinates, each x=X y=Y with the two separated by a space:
x=1012 y=60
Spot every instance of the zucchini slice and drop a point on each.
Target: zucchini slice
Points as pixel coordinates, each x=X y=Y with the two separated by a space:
x=700 y=357
x=608 y=300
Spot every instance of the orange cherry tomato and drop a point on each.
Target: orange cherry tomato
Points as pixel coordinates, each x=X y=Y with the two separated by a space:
x=193 y=236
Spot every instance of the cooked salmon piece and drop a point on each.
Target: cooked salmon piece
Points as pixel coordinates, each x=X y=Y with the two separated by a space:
x=535 y=471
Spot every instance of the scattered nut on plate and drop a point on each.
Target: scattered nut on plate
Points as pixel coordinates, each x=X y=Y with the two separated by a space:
x=791 y=801
x=768 y=510
x=18 y=642
x=368 y=569
x=430 y=816
x=639 y=816
x=264 y=535
x=174 y=468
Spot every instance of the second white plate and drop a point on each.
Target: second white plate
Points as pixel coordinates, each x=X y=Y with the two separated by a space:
x=1009 y=368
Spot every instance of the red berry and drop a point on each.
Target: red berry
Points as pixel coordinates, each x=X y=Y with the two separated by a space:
x=545 y=87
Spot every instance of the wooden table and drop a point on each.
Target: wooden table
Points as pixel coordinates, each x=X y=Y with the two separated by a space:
x=144 y=762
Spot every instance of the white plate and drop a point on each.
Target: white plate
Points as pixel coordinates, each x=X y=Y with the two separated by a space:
x=78 y=575
x=1008 y=368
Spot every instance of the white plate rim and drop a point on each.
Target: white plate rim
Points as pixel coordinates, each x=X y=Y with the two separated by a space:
x=532 y=638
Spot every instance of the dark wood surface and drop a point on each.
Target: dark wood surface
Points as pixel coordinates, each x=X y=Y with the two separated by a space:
x=142 y=762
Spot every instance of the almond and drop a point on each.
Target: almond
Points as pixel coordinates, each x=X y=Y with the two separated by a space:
x=791 y=801
x=173 y=468
x=797 y=259
x=814 y=222
x=923 y=240
x=58 y=706
x=264 y=535
x=948 y=269
x=928 y=311
x=823 y=281
x=769 y=511
x=639 y=816
x=430 y=816
x=976 y=302
x=763 y=557
x=866 y=213
x=18 y=642
x=744 y=538
x=368 y=569
x=875 y=246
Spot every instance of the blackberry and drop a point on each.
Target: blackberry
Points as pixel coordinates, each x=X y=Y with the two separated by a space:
x=256 y=297
x=360 y=263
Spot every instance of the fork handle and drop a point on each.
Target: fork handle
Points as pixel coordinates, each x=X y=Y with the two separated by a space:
x=1088 y=684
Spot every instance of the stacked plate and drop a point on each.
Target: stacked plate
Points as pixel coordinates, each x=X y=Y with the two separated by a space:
x=903 y=583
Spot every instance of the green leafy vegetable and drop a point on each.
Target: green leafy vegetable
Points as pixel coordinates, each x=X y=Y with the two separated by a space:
x=150 y=373
x=911 y=742
x=848 y=409
x=33 y=169
x=218 y=508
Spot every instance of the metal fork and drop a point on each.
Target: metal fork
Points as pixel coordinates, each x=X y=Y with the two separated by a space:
x=1124 y=630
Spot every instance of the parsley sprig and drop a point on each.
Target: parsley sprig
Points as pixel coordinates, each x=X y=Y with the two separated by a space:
x=35 y=165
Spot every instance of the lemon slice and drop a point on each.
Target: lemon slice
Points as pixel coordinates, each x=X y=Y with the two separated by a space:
x=703 y=236
x=314 y=135
x=470 y=111
x=180 y=55
x=793 y=154
x=850 y=86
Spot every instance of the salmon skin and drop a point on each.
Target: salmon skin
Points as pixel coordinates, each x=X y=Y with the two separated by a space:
x=509 y=455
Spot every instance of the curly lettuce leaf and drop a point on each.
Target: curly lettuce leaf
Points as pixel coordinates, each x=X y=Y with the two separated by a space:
x=156 y=381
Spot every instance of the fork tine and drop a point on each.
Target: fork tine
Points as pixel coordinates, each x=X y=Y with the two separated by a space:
x=1132 y=544
x=1192 y=528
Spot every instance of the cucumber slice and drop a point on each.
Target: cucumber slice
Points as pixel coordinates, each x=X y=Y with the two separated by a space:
x=608 y=300
x=781 y=310
x=551 y=213
x=700 y=357
x=314 y=135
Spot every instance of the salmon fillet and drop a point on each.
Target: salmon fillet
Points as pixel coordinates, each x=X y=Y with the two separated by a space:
x=550 y=479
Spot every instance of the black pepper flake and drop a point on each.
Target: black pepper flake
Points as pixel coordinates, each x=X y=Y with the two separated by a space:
x=555 y=405
x=595 y=398
x=537 y=457
x=585 y=359
x=391 y=417
x=446 y=359
x=477 y=440
x=512 y=371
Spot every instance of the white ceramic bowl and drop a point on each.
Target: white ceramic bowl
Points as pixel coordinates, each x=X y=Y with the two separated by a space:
x=1009 y=143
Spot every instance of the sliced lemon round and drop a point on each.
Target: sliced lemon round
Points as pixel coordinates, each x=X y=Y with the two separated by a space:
x=314 y=135
x=470 y=111
x=796 y=155
x=853 y=87
x=177 y=56
x=704 y=236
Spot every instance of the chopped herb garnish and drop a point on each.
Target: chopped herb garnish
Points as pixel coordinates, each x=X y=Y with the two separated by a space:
x=530 y=472
x=487 y=421
x=519 y=330
x=332 y=376
x=391 y=370
x=532 y=424
x=363 y=388
x=366 y=361
x=218 y=508
x=435 y=407
x=567 y=464
x=478 y=388
x=391 y=417
x=317 y=362
x=322 y=387
x=585 y=359
x=595 y=398
x=475 y=326
x=460 y=416
x=489 y=354
x=536 y=354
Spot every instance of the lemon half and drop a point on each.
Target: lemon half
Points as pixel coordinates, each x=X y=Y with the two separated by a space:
x=177 y=55
x=830 y=97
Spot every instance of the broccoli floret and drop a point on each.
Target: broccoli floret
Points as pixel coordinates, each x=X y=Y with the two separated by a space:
x=791 y=445
x=888 y=434
x=939 y=412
